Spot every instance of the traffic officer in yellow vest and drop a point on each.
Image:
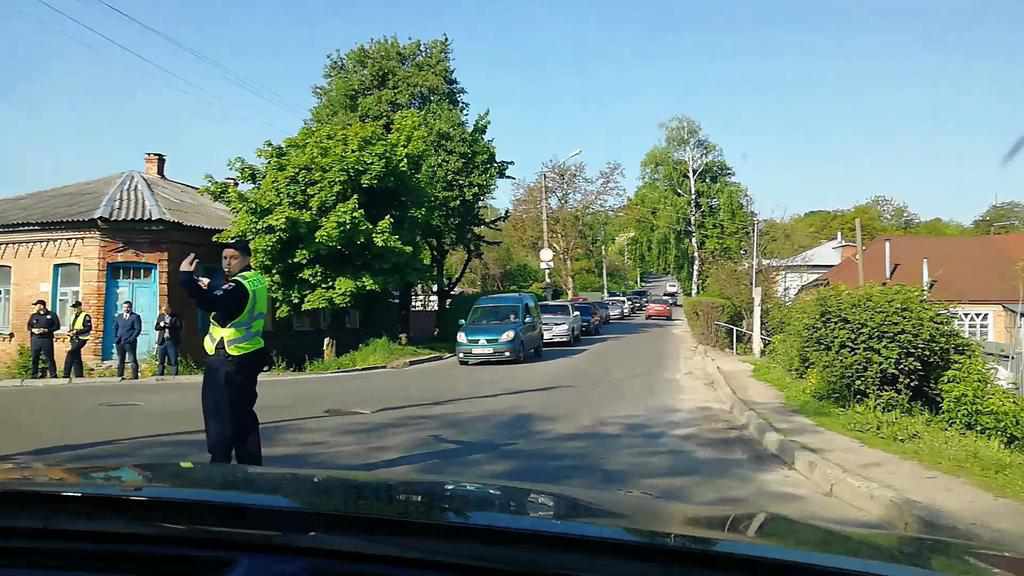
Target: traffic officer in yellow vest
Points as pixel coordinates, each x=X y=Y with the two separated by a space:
x=80 y=331
x=237 y=355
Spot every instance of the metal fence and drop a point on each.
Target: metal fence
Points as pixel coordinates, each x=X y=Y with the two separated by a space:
x=736 y=330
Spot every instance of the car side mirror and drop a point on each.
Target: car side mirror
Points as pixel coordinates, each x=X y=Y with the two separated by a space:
x=462 y=322
x=528 y=320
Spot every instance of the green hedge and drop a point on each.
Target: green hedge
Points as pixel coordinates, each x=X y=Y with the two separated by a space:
x=972 y=401
x=855 y=344
x=701 y=314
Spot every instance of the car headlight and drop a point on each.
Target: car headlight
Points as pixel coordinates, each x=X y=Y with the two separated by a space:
x=507 y=336
x=461 y=337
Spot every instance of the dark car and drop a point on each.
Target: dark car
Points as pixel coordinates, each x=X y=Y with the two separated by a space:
x=590 y=318
x=643 y=295
x=501 y=327
x=606 y=315
x=636 y=303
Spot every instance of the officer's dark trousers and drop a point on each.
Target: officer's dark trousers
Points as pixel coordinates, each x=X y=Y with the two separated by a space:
x=73 y=359
x=43 y=346
x=229 y=396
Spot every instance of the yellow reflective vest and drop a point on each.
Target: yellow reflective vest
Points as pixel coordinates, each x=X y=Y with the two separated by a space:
x=245 y=333
x=79 y=324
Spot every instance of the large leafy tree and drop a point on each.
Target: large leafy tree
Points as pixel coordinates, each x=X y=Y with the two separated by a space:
x=574 y=199
x=388 y=147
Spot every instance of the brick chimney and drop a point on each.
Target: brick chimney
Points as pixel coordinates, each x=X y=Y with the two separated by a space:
x=155 y=164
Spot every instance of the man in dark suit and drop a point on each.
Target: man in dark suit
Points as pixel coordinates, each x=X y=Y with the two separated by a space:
x=127 y=328
x=41 y=325
x=168 y=338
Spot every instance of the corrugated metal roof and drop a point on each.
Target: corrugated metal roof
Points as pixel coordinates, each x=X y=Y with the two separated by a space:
x=124 y=197
x=961 y=268
x=827 y=254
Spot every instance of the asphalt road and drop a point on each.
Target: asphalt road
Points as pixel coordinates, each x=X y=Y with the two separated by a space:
x=627 y=412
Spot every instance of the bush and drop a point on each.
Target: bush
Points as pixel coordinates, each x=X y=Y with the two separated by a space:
x=854 y=344
x=701 y=314
x=372 y=353
x=21 y=365
x=972 y=401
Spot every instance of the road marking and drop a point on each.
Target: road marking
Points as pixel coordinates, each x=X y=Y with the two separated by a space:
x=116 y=404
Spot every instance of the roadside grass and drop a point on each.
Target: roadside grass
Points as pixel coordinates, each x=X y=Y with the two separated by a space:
x=372 y=353
x=921 y=437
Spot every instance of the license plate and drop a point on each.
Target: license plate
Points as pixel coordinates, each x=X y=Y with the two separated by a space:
x=483 y=350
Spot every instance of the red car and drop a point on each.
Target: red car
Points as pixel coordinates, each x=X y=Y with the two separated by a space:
x=658 y=308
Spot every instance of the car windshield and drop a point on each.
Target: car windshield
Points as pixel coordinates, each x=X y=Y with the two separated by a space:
x=308 y=235
x=555 y=309
x=493 y=314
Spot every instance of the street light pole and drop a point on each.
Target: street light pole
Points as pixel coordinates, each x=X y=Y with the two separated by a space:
x=604 y=265
x=544 y=216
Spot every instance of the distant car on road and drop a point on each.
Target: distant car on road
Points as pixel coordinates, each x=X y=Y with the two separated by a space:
x=561 y=322
x=658 y=308
x=636 y=303
x=616 y=309
x=602 y=307
x=615 y=295
x=644 y=295
x=627 y=308
x=671 y=287
x=500 y=327
x=590 y=318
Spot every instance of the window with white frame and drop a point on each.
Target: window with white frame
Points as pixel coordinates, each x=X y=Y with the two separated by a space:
x=67 y=289
x=974 y=324
x=5 y=298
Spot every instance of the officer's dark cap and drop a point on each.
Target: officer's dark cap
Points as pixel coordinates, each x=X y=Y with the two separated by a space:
x=241 y=246
x=77 y=304
x=38 y=302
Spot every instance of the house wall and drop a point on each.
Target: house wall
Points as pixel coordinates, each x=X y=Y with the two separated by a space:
x=789 y=280
x=32 y=257
x=1001 y=320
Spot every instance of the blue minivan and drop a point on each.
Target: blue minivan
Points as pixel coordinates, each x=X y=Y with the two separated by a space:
x=501 y=327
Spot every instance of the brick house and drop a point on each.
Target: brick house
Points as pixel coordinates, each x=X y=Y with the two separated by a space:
x=979 y=278
x=103 y=241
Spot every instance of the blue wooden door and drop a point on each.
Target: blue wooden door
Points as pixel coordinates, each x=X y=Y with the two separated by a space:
x=136 y=282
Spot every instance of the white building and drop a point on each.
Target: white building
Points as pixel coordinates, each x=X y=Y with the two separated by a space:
x=794 y=272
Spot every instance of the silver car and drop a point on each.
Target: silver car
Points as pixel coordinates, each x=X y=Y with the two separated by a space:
x=615 y=310
x=561 y=322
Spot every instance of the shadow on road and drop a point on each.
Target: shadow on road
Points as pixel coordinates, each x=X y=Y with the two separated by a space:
x=328 y=413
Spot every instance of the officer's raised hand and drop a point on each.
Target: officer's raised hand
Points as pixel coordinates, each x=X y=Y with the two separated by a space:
x=189 y=263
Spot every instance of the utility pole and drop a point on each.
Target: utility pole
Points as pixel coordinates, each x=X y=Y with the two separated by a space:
x=544 y=225
x=755 y=339
x=604 y=265
x=860 y=255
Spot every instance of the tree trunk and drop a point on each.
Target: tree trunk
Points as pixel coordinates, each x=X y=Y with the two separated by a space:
x=404 y=308
x=694 y=240
x=570 y=286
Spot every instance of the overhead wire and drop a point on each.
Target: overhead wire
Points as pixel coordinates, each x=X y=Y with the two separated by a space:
x=232 y=76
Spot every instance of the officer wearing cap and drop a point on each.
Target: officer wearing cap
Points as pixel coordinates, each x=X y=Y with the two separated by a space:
x=41 y=325
x=236 y=353
x=81 y=330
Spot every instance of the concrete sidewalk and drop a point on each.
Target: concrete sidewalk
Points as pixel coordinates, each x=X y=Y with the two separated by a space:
x=197 y=378
x=905 y=494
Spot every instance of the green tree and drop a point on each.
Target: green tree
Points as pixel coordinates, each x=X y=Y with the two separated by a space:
x=1000 y=218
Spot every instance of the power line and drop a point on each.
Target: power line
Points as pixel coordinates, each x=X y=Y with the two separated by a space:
x=232 y=76
x=121 y=46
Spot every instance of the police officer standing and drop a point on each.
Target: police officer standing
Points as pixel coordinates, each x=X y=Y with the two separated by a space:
x=81 y=330
x=41 y=325
x=236 y=353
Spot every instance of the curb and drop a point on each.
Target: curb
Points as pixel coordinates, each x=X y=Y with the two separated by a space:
x=398 y=364
x=896 y=510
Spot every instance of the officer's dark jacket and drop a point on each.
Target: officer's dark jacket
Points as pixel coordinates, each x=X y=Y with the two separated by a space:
x=47 y=320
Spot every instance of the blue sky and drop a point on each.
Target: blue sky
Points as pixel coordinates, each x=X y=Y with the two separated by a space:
x=817 y=104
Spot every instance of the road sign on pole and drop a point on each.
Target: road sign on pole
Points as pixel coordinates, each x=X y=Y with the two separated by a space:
x=547 y=265
x=546 y=254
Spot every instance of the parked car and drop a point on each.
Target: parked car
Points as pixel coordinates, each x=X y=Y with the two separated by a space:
x=615 y=295
x=561 y=322
x=658 y=308
x=627 y=306
x=644 y=295
x=673 y=299
x=590 y=318
x=616 y=309
x=636 y=303
x=501 y=327
x=671 y=287
x=602 y=307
